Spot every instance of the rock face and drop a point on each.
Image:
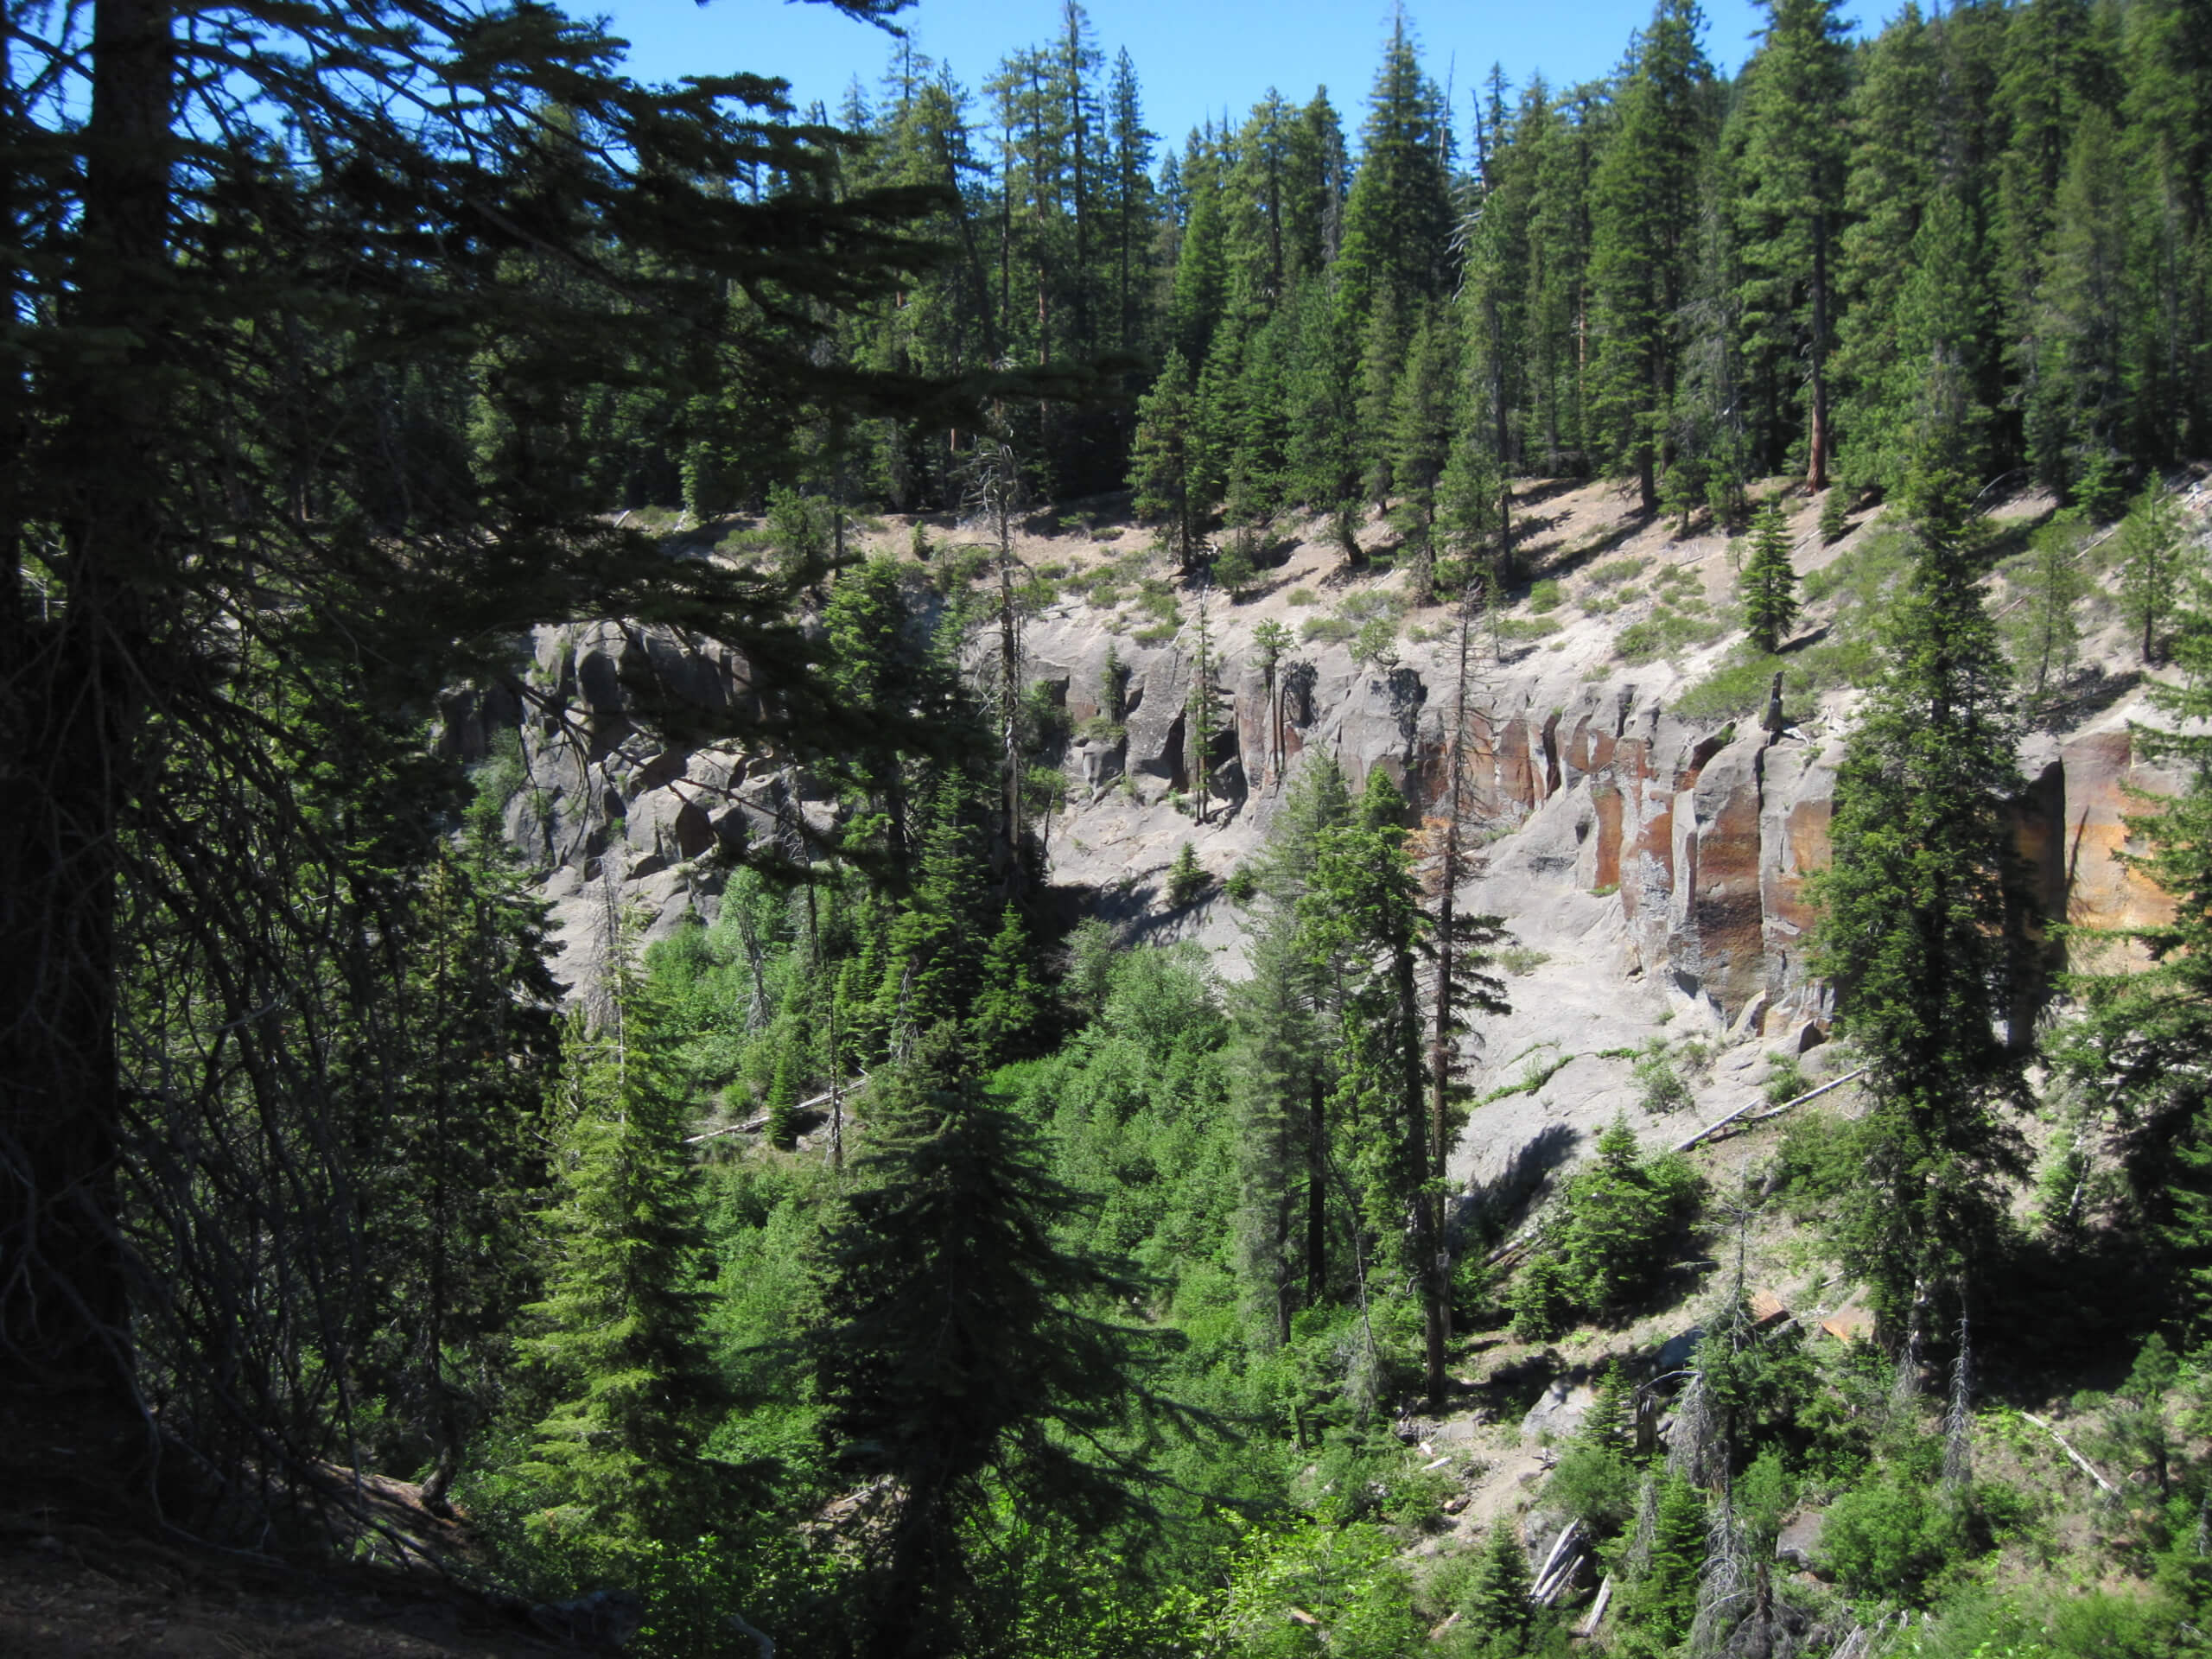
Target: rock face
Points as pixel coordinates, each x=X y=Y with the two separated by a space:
x=1703 y=838
x=1661 y=863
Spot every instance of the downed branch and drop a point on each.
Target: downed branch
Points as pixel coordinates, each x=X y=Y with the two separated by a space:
x=1812 y=1094
x=2079 y=1462
x=759 y=1121
x=1598 y=1607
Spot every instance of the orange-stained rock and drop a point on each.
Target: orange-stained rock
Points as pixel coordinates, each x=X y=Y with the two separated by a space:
x=2100 y=770
x=1607 y=800
x=1850 y=1323
x=1726 y=907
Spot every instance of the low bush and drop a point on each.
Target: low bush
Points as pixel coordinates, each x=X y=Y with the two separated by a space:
x=1619 y=1223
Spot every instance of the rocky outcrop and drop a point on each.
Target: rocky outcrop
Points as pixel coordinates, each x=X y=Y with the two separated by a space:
x=1696 y=841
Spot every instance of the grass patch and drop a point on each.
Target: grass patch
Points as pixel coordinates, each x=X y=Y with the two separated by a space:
x=1546 y=595
x=1328 y=630
x=1664 y=634
x=1614 y=572
x=1519 y=630
x=1302 y=597
x=1156 y=598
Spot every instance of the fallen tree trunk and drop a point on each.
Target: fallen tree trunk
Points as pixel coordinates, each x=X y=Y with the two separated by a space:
x=1723 y=1123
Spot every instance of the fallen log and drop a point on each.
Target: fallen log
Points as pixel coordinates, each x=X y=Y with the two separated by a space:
x=1598 y=1607
x=1723 y=1123
x=759 y=1121
x=2079 y=1462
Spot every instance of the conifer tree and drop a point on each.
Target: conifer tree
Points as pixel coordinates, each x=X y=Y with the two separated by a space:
x=1325 y=449
x=1912 y=929
x=782 y=1131
x=1364 y=917
x=1643 y=220
x=617 y=1333
x=1497 y=1604
x=1398 y=220
x=955 y=1357
x=2046 y=638
x=1283 y=1075
x=1205 y=711
x=1007 y=998
x=1899 y=135
x=1422 y=407
x=2138 y=1039
x=1270 y=641
x=2078 y=436
x=1170 y=467
x=2152 y=555
x=1793 y=163
x=1769 y=582
x=1662 y=1598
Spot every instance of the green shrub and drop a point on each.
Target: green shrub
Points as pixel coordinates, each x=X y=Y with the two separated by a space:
x=1327 y=630
x=1186 y=877
x=1820 y=1159
x=1741 y=686
x=1618 y=1222
x=1157 y=599
x=1301 y=596
x=1376 y=644
x=1521 y=629
x=1888 y=1538
x=1595 y=1485
x=1546 y=595
x=1613 y=572
x=1785 y=1078
x=1663 y=633
x=1242 y=886
x=1659 y=1086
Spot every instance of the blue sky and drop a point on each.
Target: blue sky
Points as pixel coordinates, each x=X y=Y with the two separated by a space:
x=1193 y=57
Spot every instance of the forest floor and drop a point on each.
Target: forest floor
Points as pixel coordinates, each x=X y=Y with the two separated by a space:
x=86 y=1568
x=82 y=1591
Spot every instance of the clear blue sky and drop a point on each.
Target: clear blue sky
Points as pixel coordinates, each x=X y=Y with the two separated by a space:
x=1192 y=57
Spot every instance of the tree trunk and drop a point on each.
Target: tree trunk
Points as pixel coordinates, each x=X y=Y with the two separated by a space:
x=62 y=1304
x=1317 y=1197
x=1816 y=445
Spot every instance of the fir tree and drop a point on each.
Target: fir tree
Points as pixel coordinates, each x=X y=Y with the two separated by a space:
x=618 y=1334
x=1170 y=466
x=1912 y=929
x=1205 y=710
x=1769 y=586
x=954 y=1357
x=1497 y=1604
x=1835 y=516
x=1793 y=165
x=2078 y=438
x=2046 y=638
x=782 y=1131
x=1662 y=1598
x=1008 y=999
x=1643 y=216
x=2151 y=568
x=1398 y=218
x=1186 y=877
